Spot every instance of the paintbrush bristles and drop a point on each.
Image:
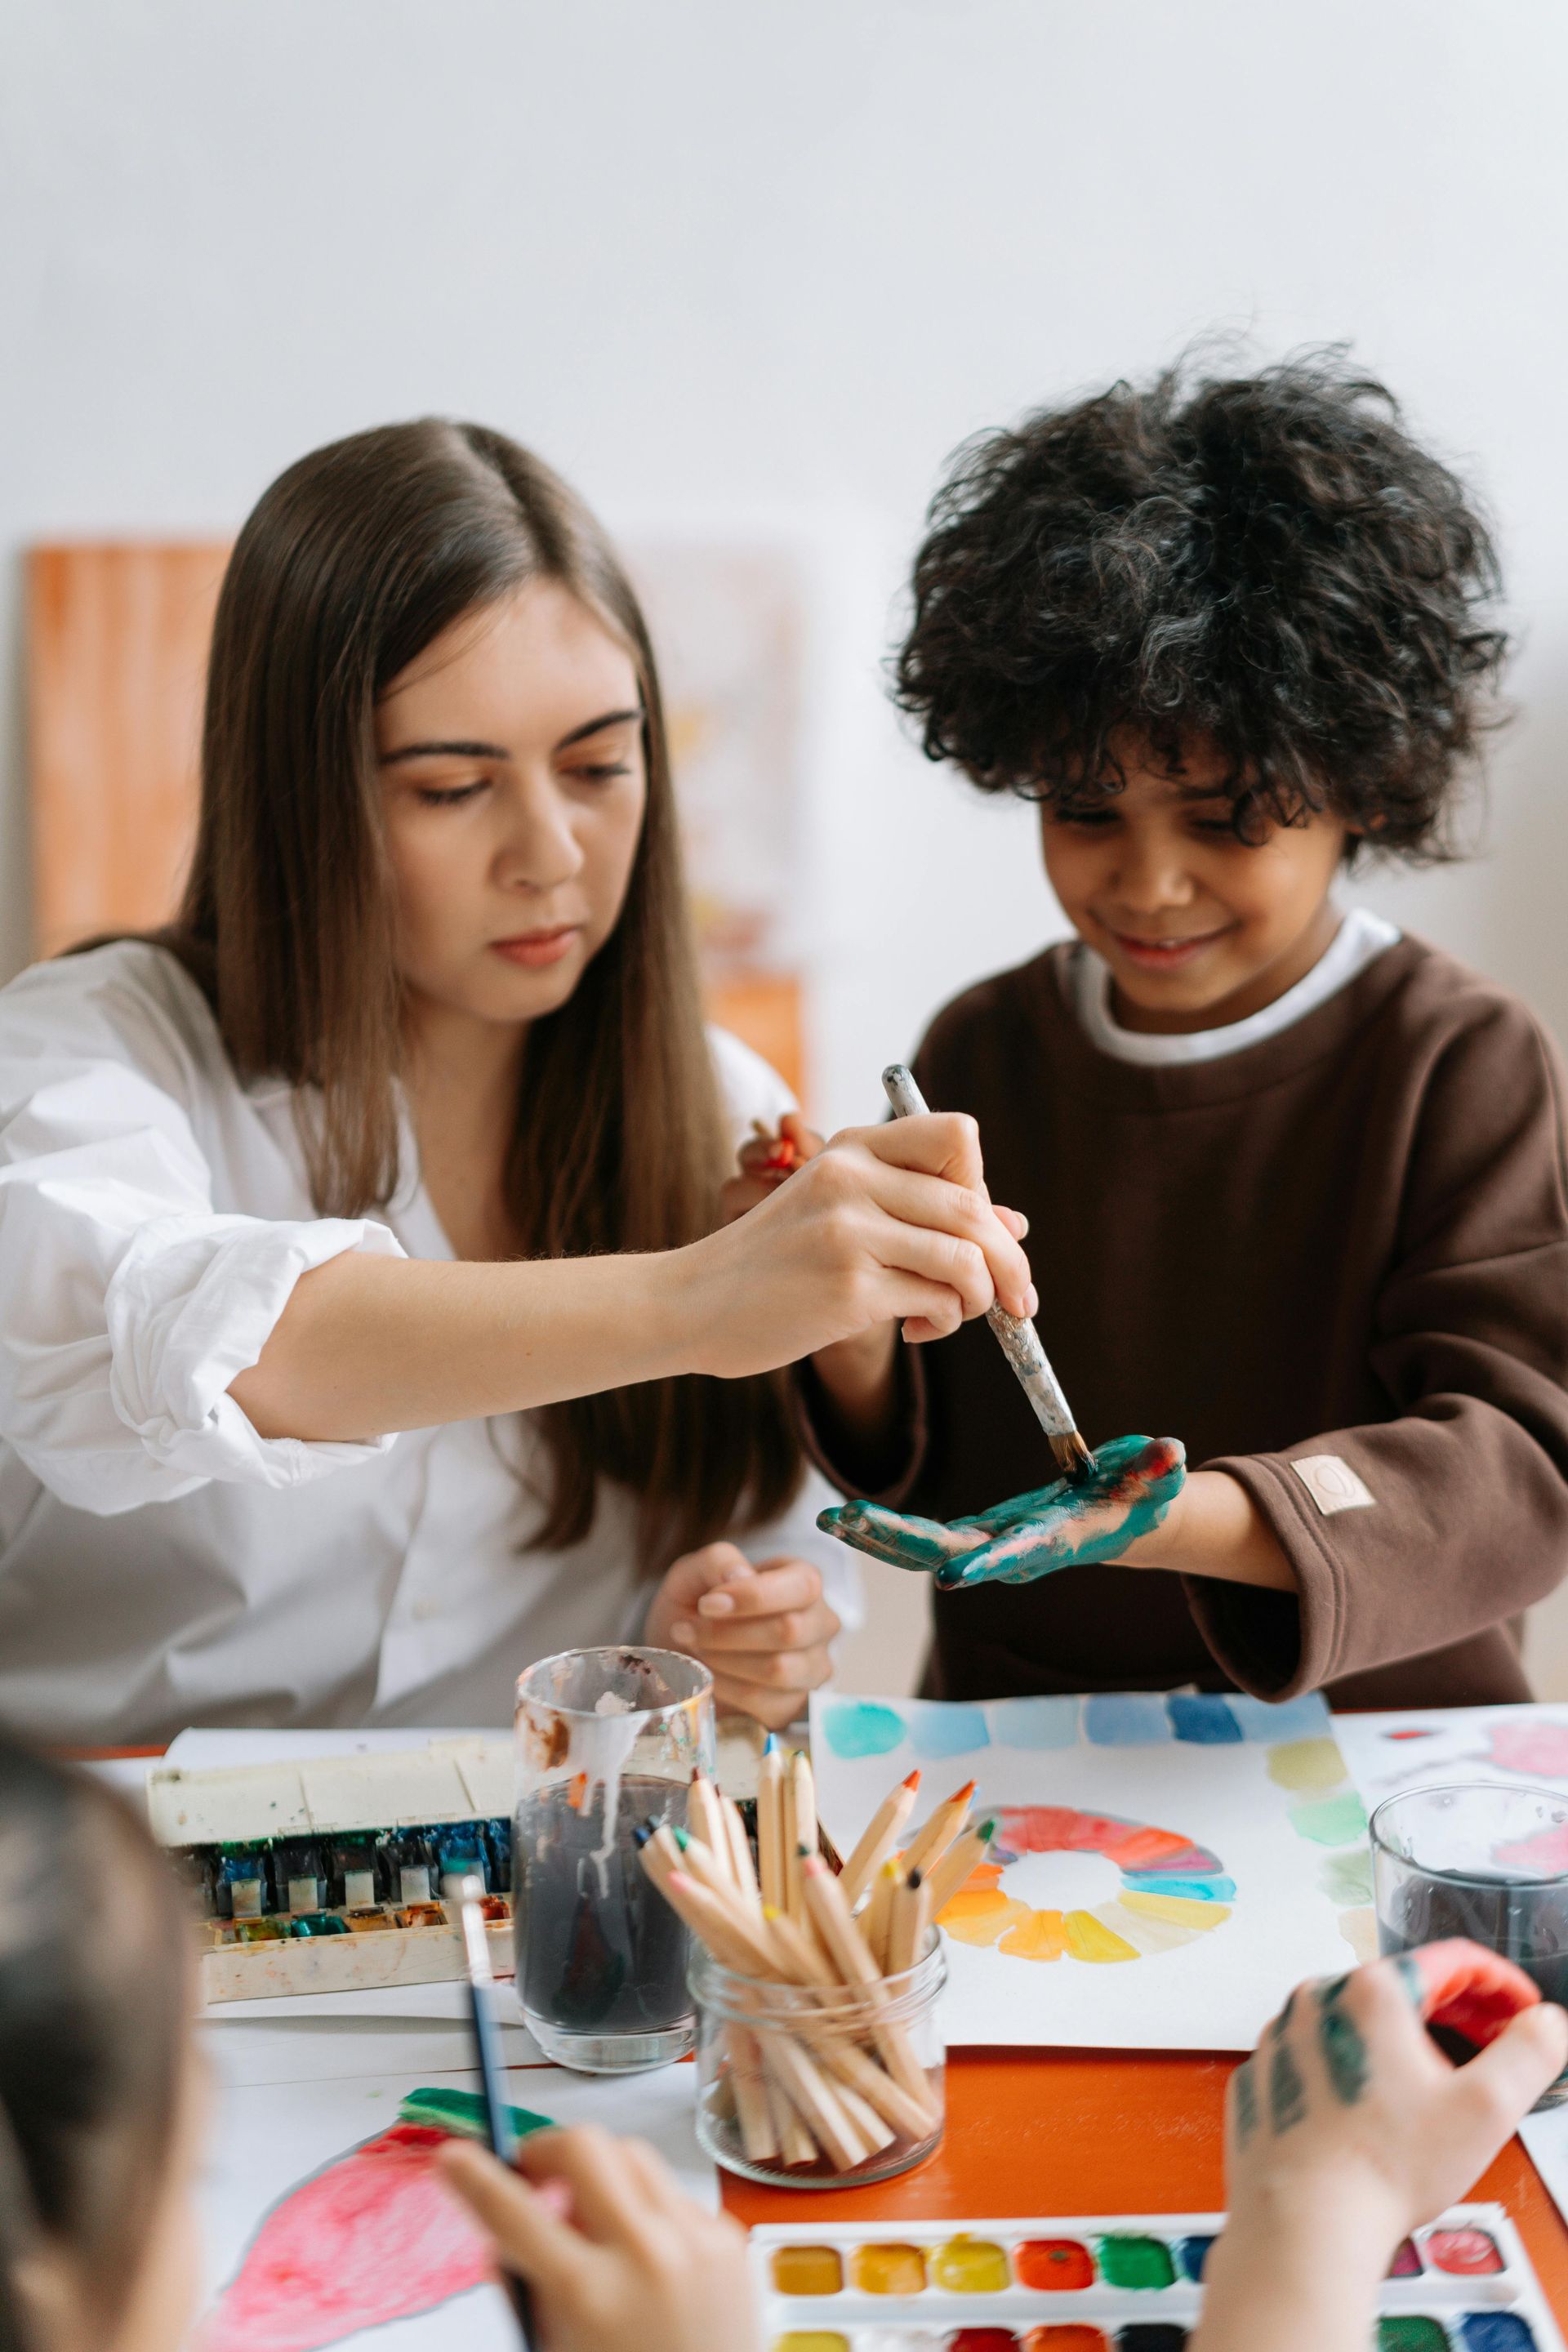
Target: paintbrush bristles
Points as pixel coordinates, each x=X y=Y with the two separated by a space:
x=1072 y=1456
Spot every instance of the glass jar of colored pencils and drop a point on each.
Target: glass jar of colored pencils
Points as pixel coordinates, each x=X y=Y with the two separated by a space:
x=820 y=2084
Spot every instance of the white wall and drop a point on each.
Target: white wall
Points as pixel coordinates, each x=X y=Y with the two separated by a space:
x=782 y=256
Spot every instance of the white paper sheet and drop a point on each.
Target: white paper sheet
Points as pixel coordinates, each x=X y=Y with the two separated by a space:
x=1261 y=1790
x=267 y=2140
x=1414 y=1747
x=418 y=2029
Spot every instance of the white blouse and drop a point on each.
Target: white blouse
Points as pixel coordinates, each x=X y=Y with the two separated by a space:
x=160 y=1564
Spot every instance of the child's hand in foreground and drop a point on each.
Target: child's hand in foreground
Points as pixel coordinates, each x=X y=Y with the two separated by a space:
x=638 y=2268
x=1135 y=1481
x=763 y=1632
x=766 y=1159
x=1348 y=2127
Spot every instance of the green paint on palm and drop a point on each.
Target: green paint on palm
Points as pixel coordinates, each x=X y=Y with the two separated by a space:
x=1287 y=2091
x=1344 y=2052
x=1245 y=2104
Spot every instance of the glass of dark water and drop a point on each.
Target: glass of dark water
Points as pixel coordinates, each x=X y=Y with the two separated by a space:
x=606 y=1739
x=1481 y=1861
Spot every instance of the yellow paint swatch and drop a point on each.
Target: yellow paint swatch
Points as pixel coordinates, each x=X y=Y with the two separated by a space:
x=889 y=2270
x=811 y=2339
x=1146 y=1936
x=1307 y=1764
x=981 y=1919
x=1041 y=1936
x=968 y=2265
x=1089 y=1938
x=1180 y=1909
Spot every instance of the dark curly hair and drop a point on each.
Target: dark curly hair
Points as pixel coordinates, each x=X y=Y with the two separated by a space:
x=1267 y=561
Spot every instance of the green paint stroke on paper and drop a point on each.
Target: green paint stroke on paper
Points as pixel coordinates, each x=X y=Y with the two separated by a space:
x=1332 y=1820
x=861 y=1728
x=1346 y=1877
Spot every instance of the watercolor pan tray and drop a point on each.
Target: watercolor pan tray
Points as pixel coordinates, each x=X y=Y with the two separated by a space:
x=1122 y=2283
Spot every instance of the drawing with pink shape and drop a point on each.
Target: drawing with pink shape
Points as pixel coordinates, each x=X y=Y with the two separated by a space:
x=1534 y=1749
x=373 y=2237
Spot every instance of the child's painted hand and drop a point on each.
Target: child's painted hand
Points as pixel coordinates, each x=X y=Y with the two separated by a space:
x=766 y=1160
x=638 y=2267
x=1135 y=1481
x=1348 y=2127
x=761 y=1631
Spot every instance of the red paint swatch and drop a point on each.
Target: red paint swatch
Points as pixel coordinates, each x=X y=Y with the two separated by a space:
x=373 y=2237
x=1463 y=2253
x=983 y=2339
x=1064 y=2339
x=1059 y=2265
x=1406 y=2262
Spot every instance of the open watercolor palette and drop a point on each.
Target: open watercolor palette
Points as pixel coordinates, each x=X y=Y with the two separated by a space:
x=326 y=1873
x=1123 y=2283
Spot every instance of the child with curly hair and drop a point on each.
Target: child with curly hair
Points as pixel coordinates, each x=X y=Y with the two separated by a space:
x=1295 y=1181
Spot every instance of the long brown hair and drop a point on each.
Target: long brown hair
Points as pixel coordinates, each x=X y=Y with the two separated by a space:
x=351 y=562
x=95 y=1994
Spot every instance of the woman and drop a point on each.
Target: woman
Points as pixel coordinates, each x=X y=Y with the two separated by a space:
x=409 y=1125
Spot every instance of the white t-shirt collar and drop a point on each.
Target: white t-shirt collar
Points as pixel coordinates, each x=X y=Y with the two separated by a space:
x=1361 y=937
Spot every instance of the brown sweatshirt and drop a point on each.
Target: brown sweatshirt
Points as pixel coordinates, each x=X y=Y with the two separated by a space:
x=1349 y=1240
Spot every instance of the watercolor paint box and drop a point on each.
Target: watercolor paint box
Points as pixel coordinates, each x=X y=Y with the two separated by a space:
x=1125 y=2282
x=327 y=1874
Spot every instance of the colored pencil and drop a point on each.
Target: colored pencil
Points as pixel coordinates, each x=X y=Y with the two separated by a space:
x=879 y=1910
x=927 y=1848
x=771 y=1826
x=908 y=1926
x=947 y=1875
x=881 y=1837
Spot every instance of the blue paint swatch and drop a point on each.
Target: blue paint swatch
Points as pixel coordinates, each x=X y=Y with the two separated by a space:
x=1296 y=1719
x=1035 y=1722
x=949 y=1730
x=859 y=1728
x=1204 y=1719
x=1210 y=1888
x=1193 y=2253
x=1126 y=1720
x=1496 y=2331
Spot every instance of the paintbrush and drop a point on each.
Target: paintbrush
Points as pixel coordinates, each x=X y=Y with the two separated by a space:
x=1020 y=1342
x=492 y=2074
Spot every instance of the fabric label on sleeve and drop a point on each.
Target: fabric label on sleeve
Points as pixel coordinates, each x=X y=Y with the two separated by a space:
x=1332 y=1484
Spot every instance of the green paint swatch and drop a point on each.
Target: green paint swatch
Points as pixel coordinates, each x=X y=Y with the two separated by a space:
x=1347 y=1877
x=1136 y=2262
x=463 y=2112
x=1332 y=1820
x=1411 y=2334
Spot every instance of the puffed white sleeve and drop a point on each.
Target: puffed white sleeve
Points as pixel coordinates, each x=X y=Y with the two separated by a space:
x=127 y=1302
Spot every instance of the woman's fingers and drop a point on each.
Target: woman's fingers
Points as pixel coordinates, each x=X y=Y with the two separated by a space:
x=766 y=1590
x=531 y=2236
x=961 y=1219
x=761 y=1638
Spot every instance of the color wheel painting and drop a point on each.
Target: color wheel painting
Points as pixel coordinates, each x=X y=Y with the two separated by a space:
x=1162 y=1868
